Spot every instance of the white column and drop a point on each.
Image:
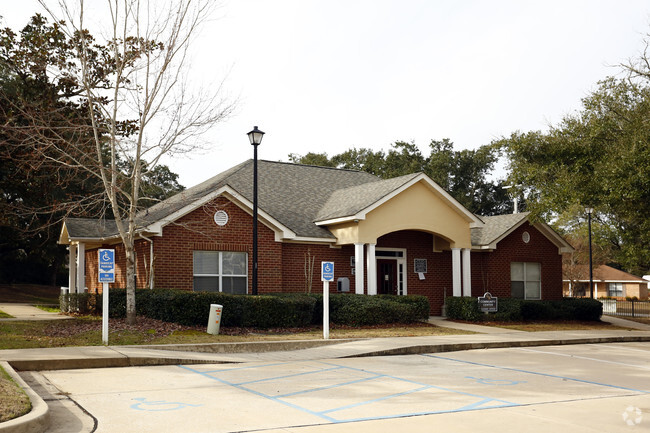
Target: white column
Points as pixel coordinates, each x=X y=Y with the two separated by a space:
x=72 y=268
x=358 y=277
x=81 y=267
x=455 y=272
x=595 y=290
x=467 y=273
x=372 y=270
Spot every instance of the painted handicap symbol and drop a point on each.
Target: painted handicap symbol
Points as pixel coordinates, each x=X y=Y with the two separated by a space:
x=106 y=257
x=160 y=406
x=497 y=382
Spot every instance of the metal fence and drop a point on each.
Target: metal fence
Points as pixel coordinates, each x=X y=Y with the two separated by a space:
x=617 y=307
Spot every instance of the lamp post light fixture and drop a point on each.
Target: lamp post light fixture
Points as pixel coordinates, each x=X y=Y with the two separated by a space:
x=255 y=137
x=591 y=267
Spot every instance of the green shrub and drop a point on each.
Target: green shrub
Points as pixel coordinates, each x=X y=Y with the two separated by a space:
x=287 y=310
x=586 y=309
x=510 y=309
x=78 y=303
x=420 y=304
x=538 y=310
x=463 y=308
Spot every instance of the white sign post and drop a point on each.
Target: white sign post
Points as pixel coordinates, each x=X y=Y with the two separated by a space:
x=326 y=275
x=106 y=275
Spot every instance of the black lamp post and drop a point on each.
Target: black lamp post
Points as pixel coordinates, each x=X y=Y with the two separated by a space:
x=255 y=137
x=591 y=268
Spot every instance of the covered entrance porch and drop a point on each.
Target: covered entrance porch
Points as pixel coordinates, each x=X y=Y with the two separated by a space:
x=414 y=240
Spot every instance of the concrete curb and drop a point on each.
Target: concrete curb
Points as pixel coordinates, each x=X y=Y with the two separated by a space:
x=248 y=347
x=37 y=420
x=125 y=361
x=117 y=357
x=457 y=347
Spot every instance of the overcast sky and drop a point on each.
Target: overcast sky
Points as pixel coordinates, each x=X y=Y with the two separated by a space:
x=326 y=76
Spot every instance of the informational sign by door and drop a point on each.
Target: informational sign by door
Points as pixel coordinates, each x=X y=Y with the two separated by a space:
x=488 y=303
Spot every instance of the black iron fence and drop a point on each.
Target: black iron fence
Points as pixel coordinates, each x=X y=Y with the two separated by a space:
x=617 y=307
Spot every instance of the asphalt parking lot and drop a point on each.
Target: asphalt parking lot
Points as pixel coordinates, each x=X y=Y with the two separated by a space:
x=587 y=388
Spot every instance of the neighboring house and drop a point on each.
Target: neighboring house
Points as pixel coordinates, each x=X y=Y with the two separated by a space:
x=399 y=236
x=608 y=282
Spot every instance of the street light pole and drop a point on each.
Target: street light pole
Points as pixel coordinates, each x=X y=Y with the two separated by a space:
x=255 y=137
x=591 y=267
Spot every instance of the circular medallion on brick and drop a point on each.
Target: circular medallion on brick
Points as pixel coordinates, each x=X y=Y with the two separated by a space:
x=221 y=217
x=525 y=236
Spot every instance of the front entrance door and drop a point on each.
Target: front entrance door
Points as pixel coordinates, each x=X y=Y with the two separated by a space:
x=386 y=277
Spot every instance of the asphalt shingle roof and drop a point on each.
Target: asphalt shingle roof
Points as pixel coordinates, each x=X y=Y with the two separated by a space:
x=90 y=228
x=295 y=195
x=349 y=201
x=495 y=227
x=605 y=273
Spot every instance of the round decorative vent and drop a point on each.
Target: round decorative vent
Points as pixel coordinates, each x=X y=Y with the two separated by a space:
x=221 y=217
x=525 y=236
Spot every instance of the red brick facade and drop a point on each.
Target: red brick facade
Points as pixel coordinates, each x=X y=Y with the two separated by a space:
x=491 y=270
x=282 y=265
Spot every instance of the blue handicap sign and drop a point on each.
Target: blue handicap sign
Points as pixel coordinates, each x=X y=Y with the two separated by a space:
x=106 y=277
x=327 y=271
x=106 y=266
x=106 y=260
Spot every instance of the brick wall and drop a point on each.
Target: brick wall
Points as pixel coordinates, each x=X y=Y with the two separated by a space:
x=173 y=251
x=294 y=258
x=142 y=266
x=491 y=270
x=282 y=265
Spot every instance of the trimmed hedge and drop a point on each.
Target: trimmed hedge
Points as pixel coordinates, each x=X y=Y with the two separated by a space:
x=510 y=309
x=265 y=311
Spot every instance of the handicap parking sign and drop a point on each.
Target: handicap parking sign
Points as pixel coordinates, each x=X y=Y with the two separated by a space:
x=106 y=266
x=327 y=271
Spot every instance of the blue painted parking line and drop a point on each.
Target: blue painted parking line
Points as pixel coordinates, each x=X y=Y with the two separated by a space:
x=160 y=406
x=287 y=376
x=330 y=414
x=555 y=376
x=338 y=385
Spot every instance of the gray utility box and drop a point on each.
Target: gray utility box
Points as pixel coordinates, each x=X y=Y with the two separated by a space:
x=214 y=320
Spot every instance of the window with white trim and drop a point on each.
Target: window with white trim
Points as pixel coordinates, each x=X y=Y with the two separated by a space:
x=525 y=280
x=614 y=289
x=221 y=271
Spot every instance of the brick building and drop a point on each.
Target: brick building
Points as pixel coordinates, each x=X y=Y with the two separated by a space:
x=402 y=236
x=608 y=283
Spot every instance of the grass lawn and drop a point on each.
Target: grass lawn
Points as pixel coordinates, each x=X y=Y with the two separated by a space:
x=29 y=293
x=4 y=315
x=13 y=400
x=86 y=331
x=48 y=308
x=554 y=326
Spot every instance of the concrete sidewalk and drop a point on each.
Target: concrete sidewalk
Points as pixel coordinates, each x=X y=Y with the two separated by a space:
x=29 y=312
x=485 y=337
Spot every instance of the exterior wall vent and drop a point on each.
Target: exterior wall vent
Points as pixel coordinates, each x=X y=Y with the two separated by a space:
x=221 y=218
x=525 y=236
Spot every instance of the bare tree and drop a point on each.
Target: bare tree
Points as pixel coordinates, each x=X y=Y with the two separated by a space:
x=137 y=102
